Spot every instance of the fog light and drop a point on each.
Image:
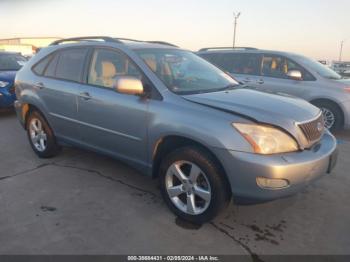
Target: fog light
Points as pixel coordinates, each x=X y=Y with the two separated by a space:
x=271 y=183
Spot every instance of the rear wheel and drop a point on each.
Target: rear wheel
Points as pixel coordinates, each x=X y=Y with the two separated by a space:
x=332 y=115
x=40 y=135
x=193 y=185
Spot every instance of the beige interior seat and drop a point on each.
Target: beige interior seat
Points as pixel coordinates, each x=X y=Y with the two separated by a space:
x=164 y=69
x=108 y=72
x=151 y=62
x=274 y=64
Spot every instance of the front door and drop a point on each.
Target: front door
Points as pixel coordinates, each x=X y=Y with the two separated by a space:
x=274 y=78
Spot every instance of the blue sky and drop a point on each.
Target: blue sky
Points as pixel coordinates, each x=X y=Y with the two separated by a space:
x=311 y=27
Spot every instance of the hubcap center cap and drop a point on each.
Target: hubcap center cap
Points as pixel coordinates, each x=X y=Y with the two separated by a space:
x=188 y=186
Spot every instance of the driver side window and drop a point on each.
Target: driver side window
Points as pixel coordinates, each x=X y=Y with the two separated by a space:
x=274 y=66
x=278 y=67
x=107 y=65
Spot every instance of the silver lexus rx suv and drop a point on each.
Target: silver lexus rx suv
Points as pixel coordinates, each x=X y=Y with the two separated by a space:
x=172 y=115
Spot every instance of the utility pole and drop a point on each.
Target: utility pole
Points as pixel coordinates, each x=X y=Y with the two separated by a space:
x=341 y=50
x=235 y=27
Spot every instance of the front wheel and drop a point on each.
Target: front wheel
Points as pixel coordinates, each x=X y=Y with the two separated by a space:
x=193 y=185
x=332 y=115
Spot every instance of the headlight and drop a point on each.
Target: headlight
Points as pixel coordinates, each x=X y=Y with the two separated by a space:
x=3 y=83
x=265 y=139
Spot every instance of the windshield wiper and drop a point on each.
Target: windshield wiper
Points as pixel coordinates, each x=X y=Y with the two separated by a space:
x=230 y=87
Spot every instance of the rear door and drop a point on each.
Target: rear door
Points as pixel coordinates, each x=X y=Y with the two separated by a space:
x=59 y=88
x=112 y=122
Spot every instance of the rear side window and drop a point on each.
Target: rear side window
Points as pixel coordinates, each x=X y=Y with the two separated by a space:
x=236 y=63
x=71 y=64
x=51 y=68
x=40 y=67
x=215 y=59
x=241 y=63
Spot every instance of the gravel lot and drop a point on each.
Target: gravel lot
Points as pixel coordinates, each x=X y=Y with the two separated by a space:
x=84 y=203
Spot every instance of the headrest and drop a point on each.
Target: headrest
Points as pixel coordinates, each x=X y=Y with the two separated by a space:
x=108 y=69
x=274 y=64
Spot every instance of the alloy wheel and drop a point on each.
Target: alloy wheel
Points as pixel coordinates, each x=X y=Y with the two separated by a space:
x=188 y=187
x=37 y=134
x=329 y=117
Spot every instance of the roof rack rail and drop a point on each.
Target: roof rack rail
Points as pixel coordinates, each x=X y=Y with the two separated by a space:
x=161 y=43
x=127 y=39
x=222 y=48
x=107 y=39
x=86 y=38
x=151 y=42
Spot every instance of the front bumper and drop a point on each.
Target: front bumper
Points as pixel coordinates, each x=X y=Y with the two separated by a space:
x=299 y=168
x=6 y=97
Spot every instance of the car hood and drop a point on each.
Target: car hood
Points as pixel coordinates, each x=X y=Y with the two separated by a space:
x=261 y=107
x=8 y=75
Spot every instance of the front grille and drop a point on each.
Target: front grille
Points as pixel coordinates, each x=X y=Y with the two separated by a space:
x=12 y=89
x=313 y=130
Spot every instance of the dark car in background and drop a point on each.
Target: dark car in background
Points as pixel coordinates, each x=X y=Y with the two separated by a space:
x=10 y=63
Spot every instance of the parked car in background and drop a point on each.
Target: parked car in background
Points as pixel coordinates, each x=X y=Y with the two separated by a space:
x=175 y=116
x=287 y=73
x=10 y=63
x=342 y=68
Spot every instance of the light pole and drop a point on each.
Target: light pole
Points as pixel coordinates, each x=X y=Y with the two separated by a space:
x=341 y=50
x=236 y=16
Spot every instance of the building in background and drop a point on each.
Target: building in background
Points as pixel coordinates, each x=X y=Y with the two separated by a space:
x=25 y=45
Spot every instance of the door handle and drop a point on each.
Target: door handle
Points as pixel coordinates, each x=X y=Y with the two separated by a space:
x=260 y=81
x=39 y=85
x=85 y=95
x=247 y=80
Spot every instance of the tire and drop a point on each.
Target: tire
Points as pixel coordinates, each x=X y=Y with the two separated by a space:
x=207 y=178
x=41 y=136
x=331 y=110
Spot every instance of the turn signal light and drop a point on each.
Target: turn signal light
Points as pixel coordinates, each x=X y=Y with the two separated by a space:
x=272 y=183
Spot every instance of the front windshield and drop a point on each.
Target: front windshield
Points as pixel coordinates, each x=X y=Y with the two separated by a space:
x=11 y=62
x=321 y=69
x=184 y=72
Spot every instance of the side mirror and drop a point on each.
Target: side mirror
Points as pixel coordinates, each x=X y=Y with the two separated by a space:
x=295 y=75
x=129 y=85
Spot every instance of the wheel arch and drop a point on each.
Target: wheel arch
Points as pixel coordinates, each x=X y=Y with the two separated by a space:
x=330 y=101
x=169 y=143
x=27 y=108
